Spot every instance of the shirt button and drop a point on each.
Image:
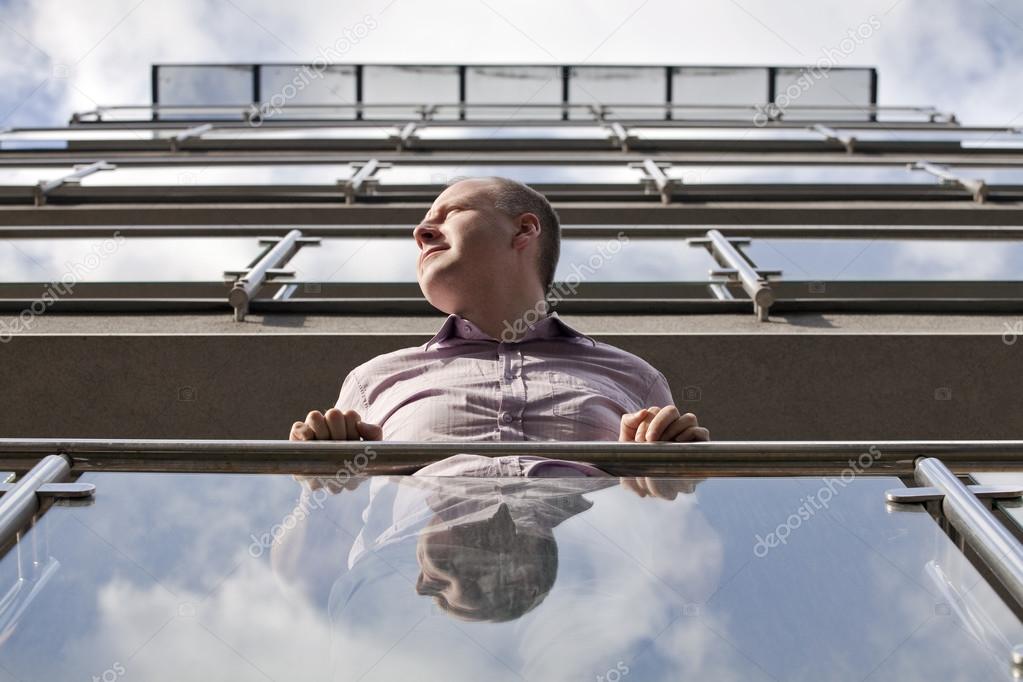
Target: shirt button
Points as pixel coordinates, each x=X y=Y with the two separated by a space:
x=506 y=418
x=468 y=329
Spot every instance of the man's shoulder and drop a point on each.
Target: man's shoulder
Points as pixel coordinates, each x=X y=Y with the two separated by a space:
x=627 y=359
x=387 y=362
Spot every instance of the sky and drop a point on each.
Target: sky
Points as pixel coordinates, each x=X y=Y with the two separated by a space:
x=58 y=56
x=963 y=56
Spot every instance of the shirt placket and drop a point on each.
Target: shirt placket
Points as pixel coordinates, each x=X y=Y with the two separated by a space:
x=513 y=392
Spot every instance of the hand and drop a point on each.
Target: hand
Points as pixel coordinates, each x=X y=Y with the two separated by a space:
x=661 y=424
x=335 y=425
x=663 y=488
x=332 y=484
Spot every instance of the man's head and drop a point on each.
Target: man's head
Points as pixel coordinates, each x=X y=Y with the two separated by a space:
x=483 y=236
x=486 y=570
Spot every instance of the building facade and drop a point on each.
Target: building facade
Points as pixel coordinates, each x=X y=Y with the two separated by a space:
x=833 y=285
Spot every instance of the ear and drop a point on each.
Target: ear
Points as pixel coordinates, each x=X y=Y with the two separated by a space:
x=528 y=230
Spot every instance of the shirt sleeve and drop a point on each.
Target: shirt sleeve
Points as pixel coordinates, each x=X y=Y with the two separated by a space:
x=352 y=396
x=659 y=393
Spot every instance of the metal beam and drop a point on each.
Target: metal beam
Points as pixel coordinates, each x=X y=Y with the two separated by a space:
x=403 y=230
x=771 y=458
x=925 y=213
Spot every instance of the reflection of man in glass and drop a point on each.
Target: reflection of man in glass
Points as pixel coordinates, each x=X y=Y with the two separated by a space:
x=482 y=539
x=501 y=367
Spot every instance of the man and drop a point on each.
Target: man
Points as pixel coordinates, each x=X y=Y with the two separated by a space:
x=488 y=248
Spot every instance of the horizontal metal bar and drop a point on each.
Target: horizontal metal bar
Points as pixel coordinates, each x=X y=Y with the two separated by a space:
x=403 y=231
x=21 y=502
x=920 y=495
x=773 y=458
x=719 y=213
x=57 y=490
x=989 y=538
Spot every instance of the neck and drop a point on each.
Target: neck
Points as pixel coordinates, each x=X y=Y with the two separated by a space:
x=507 y=318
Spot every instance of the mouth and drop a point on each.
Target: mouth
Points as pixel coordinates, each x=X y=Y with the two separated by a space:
x=433 y=251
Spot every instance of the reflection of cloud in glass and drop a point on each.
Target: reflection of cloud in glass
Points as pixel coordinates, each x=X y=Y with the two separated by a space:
x=852 y=259
x=136 y=259
x=669 y=589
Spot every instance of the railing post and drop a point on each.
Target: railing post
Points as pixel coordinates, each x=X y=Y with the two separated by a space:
x=20 y=503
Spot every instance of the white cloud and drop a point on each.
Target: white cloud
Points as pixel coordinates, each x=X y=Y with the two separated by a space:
x=958 y=55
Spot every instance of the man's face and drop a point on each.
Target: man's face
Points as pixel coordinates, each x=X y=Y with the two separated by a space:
x=464 y=243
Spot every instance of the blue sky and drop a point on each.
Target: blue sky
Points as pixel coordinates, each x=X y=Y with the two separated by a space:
x=58 y=56
x=965 y=56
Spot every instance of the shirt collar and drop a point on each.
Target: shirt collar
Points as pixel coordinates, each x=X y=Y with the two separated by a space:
x=457 y=327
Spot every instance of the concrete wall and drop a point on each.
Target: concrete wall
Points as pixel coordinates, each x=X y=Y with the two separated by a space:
x=743 y=387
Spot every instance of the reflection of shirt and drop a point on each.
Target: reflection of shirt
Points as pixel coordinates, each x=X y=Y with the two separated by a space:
x=554 y=384
x=399 y=507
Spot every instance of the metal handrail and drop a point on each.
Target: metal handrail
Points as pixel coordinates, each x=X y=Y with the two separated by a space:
x=20 y=503
x=723 y=458
x=989 y=538
x=602 y=112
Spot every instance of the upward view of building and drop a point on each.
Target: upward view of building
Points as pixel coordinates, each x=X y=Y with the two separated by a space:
x=834 y=286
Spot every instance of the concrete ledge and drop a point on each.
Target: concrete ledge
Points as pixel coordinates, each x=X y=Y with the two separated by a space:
x=744 y=386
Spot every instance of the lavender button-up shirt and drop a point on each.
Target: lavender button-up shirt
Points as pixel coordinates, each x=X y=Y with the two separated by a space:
x=554 y=384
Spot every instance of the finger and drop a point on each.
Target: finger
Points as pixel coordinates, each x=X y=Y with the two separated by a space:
x=630 y=421
x=335 y=423
x=633 y=485
x=315 y=421
x=641 y=430
x=688 y=420
x=352 y=424
x=693 y=434
x=307 y=482
x=370 y=431
x=665 y=416
x=296 y=431
x=662 y=489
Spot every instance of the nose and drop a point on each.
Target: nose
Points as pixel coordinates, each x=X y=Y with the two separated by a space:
x=429 y=586
x=425 y=234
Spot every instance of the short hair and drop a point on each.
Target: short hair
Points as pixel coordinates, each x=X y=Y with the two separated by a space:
x=520 y=571
x=513 y=199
